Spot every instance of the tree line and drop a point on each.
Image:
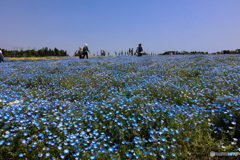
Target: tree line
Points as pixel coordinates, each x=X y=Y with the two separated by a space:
x=237 y=51
x=45 y=51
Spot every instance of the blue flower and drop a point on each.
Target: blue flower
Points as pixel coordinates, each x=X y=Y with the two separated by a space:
x=88 y=130
x=95 y=146
x=163 y=156
x=128 y=155
x=66 y=151
x=40 y=155
x=8 y=143
x=47 y=154
x=110 y=149
x=1 y=142
x=20 y=155
x=219 y=128
x=105 y=145
x=173 y=154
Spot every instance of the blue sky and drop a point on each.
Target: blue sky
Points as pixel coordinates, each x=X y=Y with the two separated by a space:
x=160 y=25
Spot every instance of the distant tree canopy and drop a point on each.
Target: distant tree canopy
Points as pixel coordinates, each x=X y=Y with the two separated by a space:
x=45 y=51
x=183 y=52
x=237 y=51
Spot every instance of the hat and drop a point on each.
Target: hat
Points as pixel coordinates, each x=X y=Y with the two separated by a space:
x=85 y=44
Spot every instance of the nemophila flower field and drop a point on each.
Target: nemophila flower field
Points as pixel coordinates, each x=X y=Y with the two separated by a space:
x=124 y=107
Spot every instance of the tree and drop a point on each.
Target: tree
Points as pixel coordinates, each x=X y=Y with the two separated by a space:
x=62 y=53
x=56 y=52
x=121 y=52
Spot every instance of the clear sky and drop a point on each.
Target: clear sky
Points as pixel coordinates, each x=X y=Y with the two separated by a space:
x=160 y=25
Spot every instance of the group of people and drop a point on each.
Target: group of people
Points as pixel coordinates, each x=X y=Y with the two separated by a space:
x=130 y=51
x=139 y=50
x=103 y=53
x=1 y=57
x=82 y=52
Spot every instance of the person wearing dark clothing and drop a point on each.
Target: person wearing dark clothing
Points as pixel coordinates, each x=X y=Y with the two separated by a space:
x=103 y=52
x=139 y=50
x=1 y=56
x=80 y=53
x=85 y=51
x=76 y=53
x=132 y=51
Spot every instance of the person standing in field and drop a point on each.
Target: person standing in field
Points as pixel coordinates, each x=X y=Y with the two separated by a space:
x=132 y=51
x=102 y=52
x=80 y=53
x=1 y=57
x=139 y=50
x=76 y=53
x=85 y=51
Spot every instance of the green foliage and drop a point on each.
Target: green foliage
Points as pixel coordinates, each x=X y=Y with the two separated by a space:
x=45 y=51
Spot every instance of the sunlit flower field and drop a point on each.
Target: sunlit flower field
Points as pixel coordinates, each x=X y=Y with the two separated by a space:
x=124 y=107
